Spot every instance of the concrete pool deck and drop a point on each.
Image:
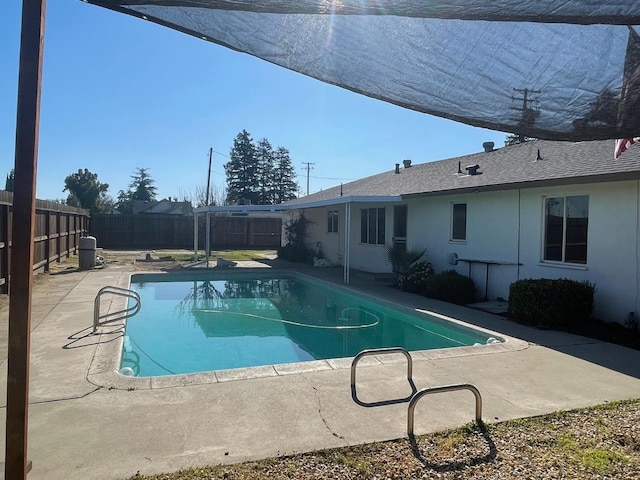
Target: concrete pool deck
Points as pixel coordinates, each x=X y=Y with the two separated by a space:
x=85 y=421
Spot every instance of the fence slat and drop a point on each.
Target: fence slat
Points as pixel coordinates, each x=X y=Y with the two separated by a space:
x=49 y=232
x=176 y=231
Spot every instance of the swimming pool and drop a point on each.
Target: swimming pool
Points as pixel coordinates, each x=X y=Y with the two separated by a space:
x=199 y=322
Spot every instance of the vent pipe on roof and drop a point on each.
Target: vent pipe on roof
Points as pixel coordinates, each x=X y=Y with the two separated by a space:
x=538 y=157
x=488 y=146
x=397 y=168
x=459 y=169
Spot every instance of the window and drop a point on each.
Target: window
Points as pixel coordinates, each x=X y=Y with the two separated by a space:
x=566 y=222
x=332 y=221
x=459 y=221
x=372 y=226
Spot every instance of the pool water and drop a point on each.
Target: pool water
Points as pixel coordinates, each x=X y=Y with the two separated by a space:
x=198 y=324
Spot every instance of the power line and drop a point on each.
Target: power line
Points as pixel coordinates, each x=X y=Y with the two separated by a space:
x=326 y=178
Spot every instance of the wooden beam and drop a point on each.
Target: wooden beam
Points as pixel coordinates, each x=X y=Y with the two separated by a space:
x=24 y=203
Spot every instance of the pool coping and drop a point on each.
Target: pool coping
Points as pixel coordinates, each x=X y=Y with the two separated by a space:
x=103 y=368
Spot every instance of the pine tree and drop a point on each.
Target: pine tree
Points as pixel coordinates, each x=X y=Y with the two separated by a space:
x=141 y=186
x=285 y=186
x=265 y=159
x=241 y=170
x=8 y=185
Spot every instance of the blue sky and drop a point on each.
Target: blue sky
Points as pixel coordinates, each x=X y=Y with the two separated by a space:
x=120 y=93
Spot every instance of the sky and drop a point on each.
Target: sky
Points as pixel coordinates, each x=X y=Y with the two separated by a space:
x=120 y=93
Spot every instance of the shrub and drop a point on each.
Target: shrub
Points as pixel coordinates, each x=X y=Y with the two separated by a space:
x=450 y=286
x=560 y=303
x=295 y=249
x=400 y=258
x=414 y=279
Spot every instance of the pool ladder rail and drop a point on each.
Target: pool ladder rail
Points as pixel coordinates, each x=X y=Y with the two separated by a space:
x=111 y=317
x=415 y=395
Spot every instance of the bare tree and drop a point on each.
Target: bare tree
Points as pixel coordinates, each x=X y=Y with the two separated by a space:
x=198 y=196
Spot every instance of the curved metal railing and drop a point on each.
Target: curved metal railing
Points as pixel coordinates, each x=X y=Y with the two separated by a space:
x=445 y=388
x=110 y=317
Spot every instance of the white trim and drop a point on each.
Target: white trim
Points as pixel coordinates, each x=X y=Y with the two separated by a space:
x=567 y=266
x=298 y=206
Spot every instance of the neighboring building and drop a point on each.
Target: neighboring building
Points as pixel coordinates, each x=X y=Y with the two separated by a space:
x=162 y=207
x=540 y=209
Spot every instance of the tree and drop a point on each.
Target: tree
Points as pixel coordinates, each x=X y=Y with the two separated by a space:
x=197 y=196
x=265 y=179
x=124 y=203
x=141 y=188
x=85 y=191
x=258 y=173
x=8 y=186
x=241 y=170
x=285 y=186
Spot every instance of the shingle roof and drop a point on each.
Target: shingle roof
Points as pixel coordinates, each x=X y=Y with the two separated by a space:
x=515 y=166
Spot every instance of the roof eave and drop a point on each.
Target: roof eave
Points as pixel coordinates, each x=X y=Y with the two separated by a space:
x=554 y=182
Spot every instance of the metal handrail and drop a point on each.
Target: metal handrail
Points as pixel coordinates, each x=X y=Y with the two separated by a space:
x=380 y=351
x=445 y=388
x=120 y=314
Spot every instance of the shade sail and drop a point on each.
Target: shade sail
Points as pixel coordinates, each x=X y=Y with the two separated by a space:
x=557 y=70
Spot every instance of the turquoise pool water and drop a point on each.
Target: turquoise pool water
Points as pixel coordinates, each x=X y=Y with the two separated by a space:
x=202 y=323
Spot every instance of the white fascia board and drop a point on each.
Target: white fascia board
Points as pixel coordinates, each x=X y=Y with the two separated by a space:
x=299 y=206
x=240 y=208
x=349 y=199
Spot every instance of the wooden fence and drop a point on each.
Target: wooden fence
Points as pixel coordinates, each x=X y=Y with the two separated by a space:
x=176 y=231
x=58 y=230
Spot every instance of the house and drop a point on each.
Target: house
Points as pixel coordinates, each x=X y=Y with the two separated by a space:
x=166 y=206
x=540 y=209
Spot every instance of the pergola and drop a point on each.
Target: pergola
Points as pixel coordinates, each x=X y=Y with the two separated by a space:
x=347 y=201
x=551 y=69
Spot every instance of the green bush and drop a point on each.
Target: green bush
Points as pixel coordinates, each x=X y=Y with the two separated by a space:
x=450 y=286
x=560 y=303
x=414 y=279
x=296 y=249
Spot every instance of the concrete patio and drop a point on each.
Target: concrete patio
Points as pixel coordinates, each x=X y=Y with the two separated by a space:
x=87 y=421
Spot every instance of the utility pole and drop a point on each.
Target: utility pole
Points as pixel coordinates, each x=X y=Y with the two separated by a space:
x=309 y=167
x=528 y=114
x=206 y=200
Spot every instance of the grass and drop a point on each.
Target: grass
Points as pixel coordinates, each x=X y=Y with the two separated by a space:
x=231 y=255
x=596 y=442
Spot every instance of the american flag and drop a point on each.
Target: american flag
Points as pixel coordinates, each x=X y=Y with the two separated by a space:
x=622 y=145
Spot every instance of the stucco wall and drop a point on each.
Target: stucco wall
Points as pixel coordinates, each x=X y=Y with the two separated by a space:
x=508 y=227
x=492 y=220
x=612 y=260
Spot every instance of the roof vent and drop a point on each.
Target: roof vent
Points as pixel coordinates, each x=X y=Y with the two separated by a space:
x=488 y=146
x=406 y=163
x=397 y=168
x=538 y=157
x=473 y=169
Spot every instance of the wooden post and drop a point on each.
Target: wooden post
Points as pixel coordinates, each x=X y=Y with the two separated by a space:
x=24 y=203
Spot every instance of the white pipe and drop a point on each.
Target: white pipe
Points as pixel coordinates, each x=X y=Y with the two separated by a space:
x=195 y=237
x=208 y=238
x=347 y=242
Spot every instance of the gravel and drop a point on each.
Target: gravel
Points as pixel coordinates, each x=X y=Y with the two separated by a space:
x=602 y=442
